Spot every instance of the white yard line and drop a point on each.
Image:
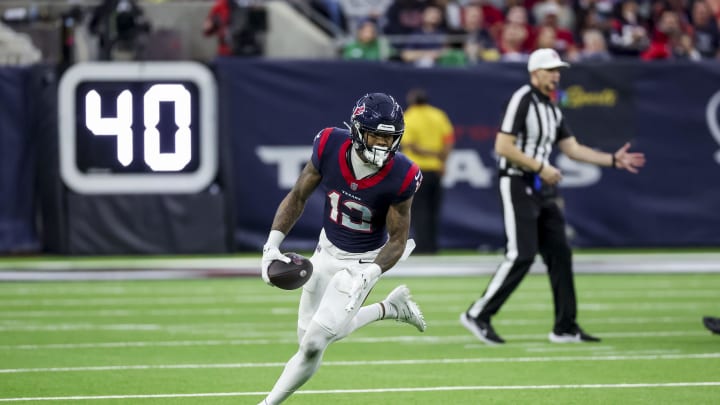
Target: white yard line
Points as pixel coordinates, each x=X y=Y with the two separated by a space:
x=253 y=263
x=382 y=390
x=186 y=300
x=370 y=363
x=351 y=339
x=224 y=310
x=20 y=325
x=134 y=301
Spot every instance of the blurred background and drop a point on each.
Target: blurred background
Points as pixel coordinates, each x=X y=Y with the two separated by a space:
x=643 y=71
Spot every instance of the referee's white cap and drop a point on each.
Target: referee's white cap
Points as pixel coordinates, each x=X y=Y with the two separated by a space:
x=545 y=58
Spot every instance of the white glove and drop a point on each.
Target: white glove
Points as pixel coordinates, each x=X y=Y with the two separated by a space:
x=364 y=278
x=271 y=251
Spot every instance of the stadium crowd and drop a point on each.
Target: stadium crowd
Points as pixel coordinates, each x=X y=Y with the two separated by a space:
x=462 y=32
x=443 y=32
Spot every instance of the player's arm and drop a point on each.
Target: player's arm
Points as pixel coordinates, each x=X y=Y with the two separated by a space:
x=621 y=159
x=288 y=212
x=398 y=226
x=292 y=206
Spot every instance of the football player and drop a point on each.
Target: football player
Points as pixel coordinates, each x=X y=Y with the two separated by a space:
x=369 y=188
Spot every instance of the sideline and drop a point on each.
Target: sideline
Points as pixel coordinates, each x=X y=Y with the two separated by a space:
x=465 y=265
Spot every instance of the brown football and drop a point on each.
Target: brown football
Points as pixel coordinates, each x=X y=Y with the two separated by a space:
x=290 y=276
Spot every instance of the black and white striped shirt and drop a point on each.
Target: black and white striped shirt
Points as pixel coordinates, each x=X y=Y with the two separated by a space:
x=536 y=122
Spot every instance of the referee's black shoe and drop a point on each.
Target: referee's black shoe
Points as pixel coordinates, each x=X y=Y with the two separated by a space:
x=481 y=329
x=712 y=324
x=576 y=336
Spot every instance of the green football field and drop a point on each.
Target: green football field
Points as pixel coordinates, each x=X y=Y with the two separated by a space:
x=225 y=341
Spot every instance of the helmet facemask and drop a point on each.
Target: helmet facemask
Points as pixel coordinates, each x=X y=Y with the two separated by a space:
x=376 y=155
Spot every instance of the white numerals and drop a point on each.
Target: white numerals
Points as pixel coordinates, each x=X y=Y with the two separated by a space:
x=121 y=125
x=365 y=222
x=183 y=147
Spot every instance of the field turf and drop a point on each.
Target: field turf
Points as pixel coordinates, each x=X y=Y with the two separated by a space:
x=225 y=341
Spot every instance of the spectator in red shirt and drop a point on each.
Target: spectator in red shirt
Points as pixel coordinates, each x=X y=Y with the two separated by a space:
x=217 y=23
x=564 y=42
x=518 y=15
x=667 y=42
x=511 y=43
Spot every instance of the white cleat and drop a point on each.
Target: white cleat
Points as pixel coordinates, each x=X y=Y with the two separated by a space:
x=407 y=310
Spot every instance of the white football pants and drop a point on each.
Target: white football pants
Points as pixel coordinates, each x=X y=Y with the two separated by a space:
x=326 y=294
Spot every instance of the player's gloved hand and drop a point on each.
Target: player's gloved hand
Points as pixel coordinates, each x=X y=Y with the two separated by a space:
x=363 y=278
x=269 y=254
x=271 y=251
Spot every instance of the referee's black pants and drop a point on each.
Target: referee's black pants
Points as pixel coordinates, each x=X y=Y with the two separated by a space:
x=425 y=213
x=533 y=223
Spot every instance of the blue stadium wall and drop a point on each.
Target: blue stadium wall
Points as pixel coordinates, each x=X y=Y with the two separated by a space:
x=271 y=110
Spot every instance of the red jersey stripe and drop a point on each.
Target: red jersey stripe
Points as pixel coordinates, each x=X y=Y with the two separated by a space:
x=414 y=169
x=350 y=178
x=323 y=140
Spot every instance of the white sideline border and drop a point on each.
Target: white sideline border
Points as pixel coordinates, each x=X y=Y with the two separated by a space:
x=465 y=265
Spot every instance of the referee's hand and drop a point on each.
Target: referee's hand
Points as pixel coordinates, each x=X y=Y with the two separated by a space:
x=630 y=161
x=550 y=174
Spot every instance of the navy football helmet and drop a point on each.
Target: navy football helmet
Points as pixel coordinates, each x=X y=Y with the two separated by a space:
x=380 y=114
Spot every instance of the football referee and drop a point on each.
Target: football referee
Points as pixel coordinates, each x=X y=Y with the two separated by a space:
x=534 y=223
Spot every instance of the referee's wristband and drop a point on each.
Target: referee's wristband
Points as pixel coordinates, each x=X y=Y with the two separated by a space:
x=613 y=164
x=542 y=164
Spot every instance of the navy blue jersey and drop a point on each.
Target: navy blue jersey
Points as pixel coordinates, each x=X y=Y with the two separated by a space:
x=355 y=210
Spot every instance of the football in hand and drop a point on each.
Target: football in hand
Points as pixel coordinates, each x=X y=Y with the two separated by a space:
x=290 y=276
